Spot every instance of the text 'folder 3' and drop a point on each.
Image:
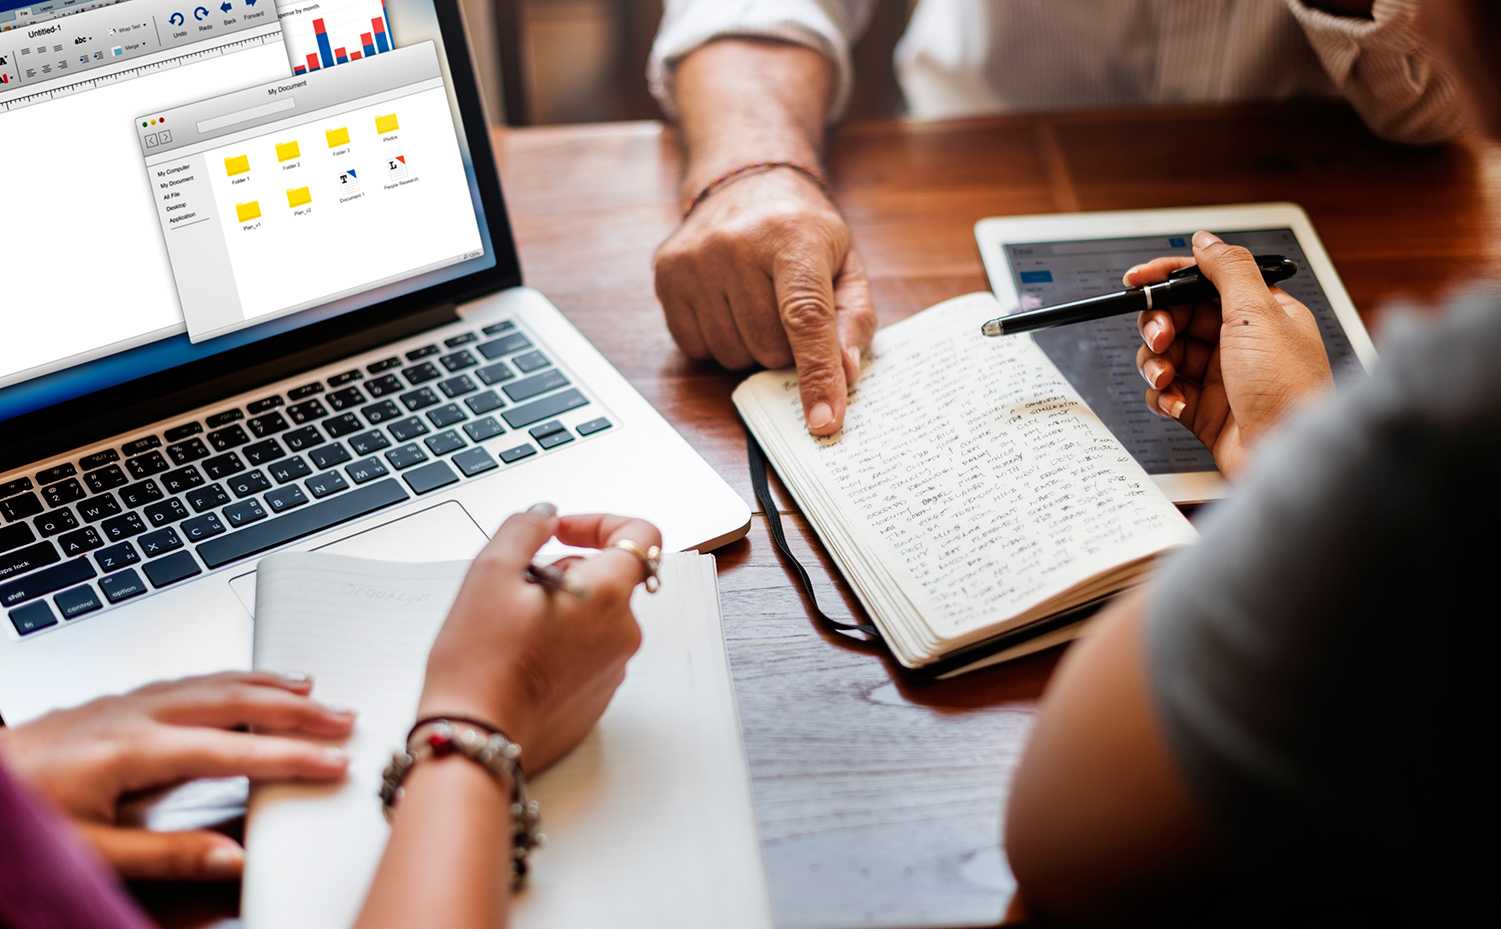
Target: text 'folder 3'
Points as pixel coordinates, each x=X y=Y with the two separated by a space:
x=337 y=137
x=387 y=123
x=299 y=196
x=237 y=165
x=286 y=151
x=248 y=211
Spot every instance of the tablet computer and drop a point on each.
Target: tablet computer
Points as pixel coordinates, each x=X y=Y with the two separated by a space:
x=1054 y=258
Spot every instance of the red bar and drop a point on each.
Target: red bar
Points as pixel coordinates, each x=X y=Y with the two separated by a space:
x=367 y=39
x=339 y=53
x=354 y=56
x=312 y=62
x=377 y=22
x=318 y=27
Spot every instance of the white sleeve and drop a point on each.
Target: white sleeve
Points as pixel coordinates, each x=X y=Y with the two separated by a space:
x=829 y=27
x=1384 y=72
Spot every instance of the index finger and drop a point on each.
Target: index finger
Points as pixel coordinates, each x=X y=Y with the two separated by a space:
x=1156 y=270
x=804 y=283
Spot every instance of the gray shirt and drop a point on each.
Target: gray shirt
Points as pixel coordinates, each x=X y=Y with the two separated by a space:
x=1322 y=662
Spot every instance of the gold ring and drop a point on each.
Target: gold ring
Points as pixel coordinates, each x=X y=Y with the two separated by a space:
x=650 y=558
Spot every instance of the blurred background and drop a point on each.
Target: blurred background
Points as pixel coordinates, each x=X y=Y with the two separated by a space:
x=575 y=61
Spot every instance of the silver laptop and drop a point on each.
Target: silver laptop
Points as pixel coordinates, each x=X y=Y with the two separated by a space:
x=262 y=293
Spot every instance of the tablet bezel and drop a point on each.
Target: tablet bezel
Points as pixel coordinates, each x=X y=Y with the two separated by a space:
x=996 y=232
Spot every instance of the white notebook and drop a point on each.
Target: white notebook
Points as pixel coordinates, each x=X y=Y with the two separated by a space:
x=649 y=822
x=972 y=499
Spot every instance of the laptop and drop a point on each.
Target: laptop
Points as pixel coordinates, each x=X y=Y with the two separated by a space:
x=263 y=293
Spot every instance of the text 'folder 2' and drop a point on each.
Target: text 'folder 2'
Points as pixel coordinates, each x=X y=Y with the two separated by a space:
x=387 y=123
x=299 y=196
x=286 y=151
x=248 y=211
x=237 y=165
x=337 y=137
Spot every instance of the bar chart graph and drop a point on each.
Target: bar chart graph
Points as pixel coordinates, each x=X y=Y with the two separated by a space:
x=335 y=33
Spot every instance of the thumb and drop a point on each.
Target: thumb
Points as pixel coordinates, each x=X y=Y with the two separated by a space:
x=1232 y=270
x=516 y=542
x=140 y=854
x=805 y=301
x=854 y=313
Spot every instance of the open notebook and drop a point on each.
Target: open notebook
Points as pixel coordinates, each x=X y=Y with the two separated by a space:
x=649 y=821
x=972 y=500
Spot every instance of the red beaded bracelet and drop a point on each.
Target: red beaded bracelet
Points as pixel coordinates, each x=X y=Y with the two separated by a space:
x=725 y=178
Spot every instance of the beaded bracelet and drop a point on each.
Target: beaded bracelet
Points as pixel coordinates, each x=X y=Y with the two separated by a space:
x=725 y=178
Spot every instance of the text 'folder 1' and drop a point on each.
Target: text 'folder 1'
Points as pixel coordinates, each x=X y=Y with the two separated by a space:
x=286 y=151
x=299 y=196
x=248 y=211
x=337 y=137
x=237 y=165
x=387 y=123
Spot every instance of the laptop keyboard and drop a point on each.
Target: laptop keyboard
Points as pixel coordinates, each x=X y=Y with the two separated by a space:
x=82 y=535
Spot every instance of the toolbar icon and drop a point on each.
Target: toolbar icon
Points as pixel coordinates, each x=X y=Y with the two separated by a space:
x=176 y=19
x=201 y=13
x=225 y=7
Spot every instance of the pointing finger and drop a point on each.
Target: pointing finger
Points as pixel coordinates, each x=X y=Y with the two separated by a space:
x=805 y=301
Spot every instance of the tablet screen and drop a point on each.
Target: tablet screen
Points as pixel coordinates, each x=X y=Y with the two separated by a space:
x=1099 y=358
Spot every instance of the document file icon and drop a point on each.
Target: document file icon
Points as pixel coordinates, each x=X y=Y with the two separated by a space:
x=248 y=211
x=337 y=137
x=299 y=196
x=237 y=165
x=286 y=151
x=385 y=124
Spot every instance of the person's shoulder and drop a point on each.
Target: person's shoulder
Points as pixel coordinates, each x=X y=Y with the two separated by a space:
x=1440 y=369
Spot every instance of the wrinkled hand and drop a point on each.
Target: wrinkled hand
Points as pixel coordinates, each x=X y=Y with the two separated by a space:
x=85 y=758
x=541 y=664
x=764 y=272
x=1228 y=369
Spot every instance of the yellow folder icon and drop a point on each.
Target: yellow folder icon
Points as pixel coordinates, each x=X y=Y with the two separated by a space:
x=387 y=123
x=299 y=196
x=337 y=137
x=286 y=151
x=237 y=165
x=248 y=211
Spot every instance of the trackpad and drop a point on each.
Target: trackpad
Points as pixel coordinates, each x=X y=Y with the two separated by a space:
x=445 y=532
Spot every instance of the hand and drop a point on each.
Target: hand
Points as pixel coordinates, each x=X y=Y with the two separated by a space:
x=541 y=664
x=764 y=272
x=85 y=758
x=1232 y=368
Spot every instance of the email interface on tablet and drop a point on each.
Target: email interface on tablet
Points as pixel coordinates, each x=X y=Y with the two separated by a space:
x=1099 y=358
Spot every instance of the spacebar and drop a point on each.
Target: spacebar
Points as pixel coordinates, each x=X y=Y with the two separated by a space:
x=262 y=536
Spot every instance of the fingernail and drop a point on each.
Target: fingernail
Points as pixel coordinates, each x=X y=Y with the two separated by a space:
x=1126 y=278
x=820 y=415
x=1171 y=406
x=543 y=509
x=340 y=709
x=335 y=756
x=1149 y=373
x=1204 y=239
x=296 y=677
x=224 y=860
x=1154 y=329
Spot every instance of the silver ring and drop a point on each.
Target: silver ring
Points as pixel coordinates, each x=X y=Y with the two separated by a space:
x=650 y=558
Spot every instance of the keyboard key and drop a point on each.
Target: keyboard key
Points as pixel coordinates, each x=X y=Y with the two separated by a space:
x=122 y=586
x=258 y=538
x=405 y=456
x=15 y=536
x=32 y=616
x=531 y=361
x=262 y=452
x=122 y=527
x=385 y=364
x=306 y=390
x=556 y=439
x=171 y=569
x=96 y=508
x=456 y=386
x=146 y=465
x=206 y=498
x=181 y=480
x=143 y=444
x=178 y=433
x=351 y=375
x=444 y=442
x=474 y=461
x=11 y=488
x=255 y=407
x=545 y=429
x=482 y=429
x=14 y=508
x=202 y=527
x=494 y=374
x=136 y=496
x=511 y=455
x=76 y=543
x=458 y=361
x=415 y=400
x=385 y=384
x=307 y=412
x=244 y=513
x=330 y=482
x=421 y=374
x=116 y=556
x=457 y=340
x=160 y=542
x=366 y=469
x=244 y=485
x=46 y=581
x=431 y=477
x=184 y=452
x=63 y=493
x=270 y=424
x=166 y=513
x=545 y=409
x=50 y=524
x=35 y=556
x=537 y=384
x=306 y=437
x=78 y=601
x=504 y=345
x=289 y=470
x=367 y=443
x=342 y=425
x=593 y=426
x=346 y=398
x=54 y=474
x=409 y=428
x=484 y=403
x=502 y=326
x=446 y=415
x=422 y=352
x=225 y=439
x=105 y=479
x=382 y=411
x=223 y=419
x=285 y=498
x=98 y=459
x=221 y=466
x=326 y=456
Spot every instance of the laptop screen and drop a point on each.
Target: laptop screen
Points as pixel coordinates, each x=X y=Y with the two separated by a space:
x=185 y=180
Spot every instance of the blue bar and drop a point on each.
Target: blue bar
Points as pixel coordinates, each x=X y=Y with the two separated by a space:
x=368 y=50
x=380 y=42
x=344 y=60
x=325 y=50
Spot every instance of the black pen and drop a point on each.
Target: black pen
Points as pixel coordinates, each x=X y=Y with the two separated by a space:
x=1185 y=285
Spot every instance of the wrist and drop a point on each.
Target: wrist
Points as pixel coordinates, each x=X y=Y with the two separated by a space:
x=501 y=713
